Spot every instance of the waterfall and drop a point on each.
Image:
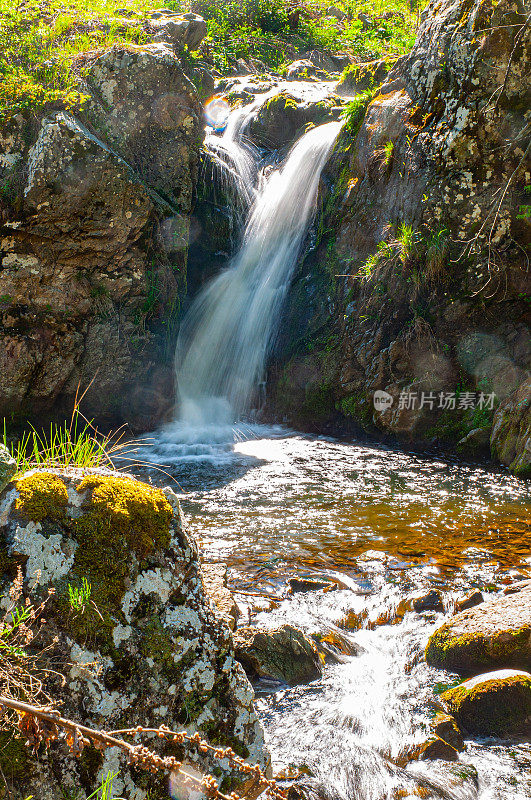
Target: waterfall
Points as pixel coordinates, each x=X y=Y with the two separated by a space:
x=225 y=336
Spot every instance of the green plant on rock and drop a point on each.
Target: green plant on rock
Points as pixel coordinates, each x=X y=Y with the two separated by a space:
x=407 y=241
x=388 y=150
x=354 y=112
x=79 y=596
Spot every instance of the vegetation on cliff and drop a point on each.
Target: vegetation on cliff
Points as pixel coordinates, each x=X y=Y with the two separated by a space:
x=45 y=44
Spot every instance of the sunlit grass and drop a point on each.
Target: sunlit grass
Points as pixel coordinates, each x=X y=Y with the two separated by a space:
x=39 y=41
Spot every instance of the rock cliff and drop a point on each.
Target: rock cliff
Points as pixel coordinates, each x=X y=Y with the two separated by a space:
x=95 y=218
x=419 y=280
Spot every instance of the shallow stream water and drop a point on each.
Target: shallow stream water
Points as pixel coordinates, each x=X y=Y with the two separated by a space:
x=382 y=524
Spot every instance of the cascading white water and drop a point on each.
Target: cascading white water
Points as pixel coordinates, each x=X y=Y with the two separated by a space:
x=224 y=338
x=236 y=157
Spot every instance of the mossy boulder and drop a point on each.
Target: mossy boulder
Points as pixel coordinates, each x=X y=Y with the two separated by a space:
x=284 y=654
x=360 y=77
x=283 y=117
x=495 y=703
x=143 y=646
x=492 y=635
x=510 y=438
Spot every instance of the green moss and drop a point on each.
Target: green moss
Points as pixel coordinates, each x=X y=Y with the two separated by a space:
x=41 y=495
x=129 y=509
x=358 y=408
x=496 y=706
x=471 y=651
x=121 y=517
x=14 y=756
x=157 y=644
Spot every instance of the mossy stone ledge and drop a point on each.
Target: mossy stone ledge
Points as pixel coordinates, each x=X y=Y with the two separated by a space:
x=494 y=635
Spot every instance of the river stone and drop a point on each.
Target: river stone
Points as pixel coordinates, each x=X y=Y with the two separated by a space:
x=470 y=600
x=446 y=728
x=437 y=749
x=495 y=703
x=147 y=649
x=492 y=635
x=215 y=583
x=297 y=585
x=429 y=601
x=284 y=654
x=8 y=467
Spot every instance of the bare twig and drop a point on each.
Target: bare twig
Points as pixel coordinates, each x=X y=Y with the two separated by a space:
x=31 y=719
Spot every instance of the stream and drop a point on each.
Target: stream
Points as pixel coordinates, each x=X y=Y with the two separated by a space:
x=383 y=524
x=380 y=523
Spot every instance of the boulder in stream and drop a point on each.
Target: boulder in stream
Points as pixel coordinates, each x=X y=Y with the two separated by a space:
x=284 y=116
x=493 y=704
x=284 y=654
x=492 y=635
x=447 y=729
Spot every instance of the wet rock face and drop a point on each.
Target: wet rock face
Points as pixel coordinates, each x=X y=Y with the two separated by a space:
x=284 y=116
x=493 y=704
x=285 y=654
x=146 y=648
x=94 y=242
x=492 y=635
x=421 y=284
x=511 y=431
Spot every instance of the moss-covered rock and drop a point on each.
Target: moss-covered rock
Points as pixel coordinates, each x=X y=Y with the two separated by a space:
x=492 y=635
x=495 y=703
x=510 y=438
x=141 y=645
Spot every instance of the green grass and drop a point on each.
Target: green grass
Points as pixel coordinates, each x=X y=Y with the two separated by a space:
x=355 y=111
x=40 y=42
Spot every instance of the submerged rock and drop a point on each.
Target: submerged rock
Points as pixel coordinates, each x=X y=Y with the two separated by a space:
x=493 y=704
x=284 y=654
x=143 y=646
x=494 y=634
x=297 y=585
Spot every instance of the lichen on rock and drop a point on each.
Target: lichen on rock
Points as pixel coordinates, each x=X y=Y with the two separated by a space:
x=146 y=647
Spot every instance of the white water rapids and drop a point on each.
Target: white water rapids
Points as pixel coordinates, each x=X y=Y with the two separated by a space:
x=225 y=336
